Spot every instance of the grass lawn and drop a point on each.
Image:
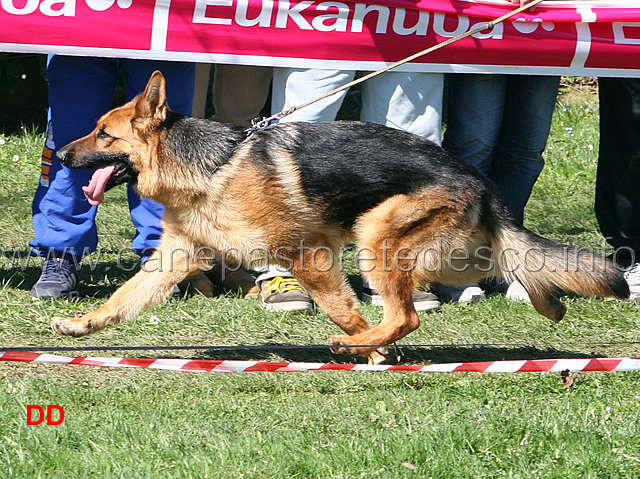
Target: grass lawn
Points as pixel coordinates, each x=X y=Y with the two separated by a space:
x=144 y=423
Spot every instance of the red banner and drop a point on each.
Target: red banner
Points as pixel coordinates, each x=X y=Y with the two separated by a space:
x=557 y=37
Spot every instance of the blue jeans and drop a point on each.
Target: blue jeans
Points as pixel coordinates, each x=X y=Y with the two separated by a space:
x=80 y=91
x=500 y=125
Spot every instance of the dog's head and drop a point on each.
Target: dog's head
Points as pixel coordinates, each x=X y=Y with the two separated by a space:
x=123 y=144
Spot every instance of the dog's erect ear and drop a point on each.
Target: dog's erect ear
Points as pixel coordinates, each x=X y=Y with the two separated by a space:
x=152 y=104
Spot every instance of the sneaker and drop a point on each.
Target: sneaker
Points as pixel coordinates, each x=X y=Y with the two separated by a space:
x=422 y=300
x=58 y=279
x=281 y=294
x=632 y=275
x=516 y=292
x=464 y=293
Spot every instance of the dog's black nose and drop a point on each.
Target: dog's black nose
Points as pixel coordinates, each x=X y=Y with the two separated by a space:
x=63 y=156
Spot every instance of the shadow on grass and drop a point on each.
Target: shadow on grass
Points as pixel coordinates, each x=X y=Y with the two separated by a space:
x=20 y=270
x=397 y=354
x=90 y=284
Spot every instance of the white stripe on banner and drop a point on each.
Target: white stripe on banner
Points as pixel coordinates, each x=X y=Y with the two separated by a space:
x=441 y=368
x=230 y=365
x=628 y=364
x=110 y=362
x=583 y=44
x=305 y=366
x=160 y=25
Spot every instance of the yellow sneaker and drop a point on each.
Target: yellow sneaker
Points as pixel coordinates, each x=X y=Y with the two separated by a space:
x=284 y=293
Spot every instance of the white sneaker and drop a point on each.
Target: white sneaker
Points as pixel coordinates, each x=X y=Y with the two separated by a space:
x=516 y=292
x=464 y=293
x=422 y=300
x=632 y=275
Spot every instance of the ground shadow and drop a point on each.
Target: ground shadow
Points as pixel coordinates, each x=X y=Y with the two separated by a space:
x=24 y=275
x=397 y=354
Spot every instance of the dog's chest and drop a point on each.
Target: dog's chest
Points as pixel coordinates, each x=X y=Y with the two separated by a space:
x=221 y=231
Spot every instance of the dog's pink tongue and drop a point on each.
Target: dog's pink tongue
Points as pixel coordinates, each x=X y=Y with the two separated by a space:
x=95 y=190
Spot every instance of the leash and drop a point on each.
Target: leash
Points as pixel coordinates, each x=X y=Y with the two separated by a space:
x=259 y=125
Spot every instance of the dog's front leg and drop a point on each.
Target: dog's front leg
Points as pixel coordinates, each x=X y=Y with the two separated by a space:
x=153 y=284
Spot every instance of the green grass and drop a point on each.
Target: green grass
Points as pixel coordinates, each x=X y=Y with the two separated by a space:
x=144 y=423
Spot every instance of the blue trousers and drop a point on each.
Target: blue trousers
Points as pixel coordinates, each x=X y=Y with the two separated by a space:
x=81 y=89
x=500 y=125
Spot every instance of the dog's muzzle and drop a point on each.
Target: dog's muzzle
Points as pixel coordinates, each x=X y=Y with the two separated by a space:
x=64 y=157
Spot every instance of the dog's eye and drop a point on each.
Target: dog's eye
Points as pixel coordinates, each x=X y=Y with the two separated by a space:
x=103 y=135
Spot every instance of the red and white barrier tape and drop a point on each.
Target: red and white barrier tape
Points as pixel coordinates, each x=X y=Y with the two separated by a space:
x=225 y=366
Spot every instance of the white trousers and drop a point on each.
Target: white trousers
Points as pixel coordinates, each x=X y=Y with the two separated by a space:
x=406 y=101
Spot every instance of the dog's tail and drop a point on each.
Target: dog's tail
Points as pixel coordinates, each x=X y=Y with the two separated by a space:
x=544 y=268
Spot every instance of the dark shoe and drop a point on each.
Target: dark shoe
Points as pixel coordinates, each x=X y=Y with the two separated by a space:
x=58 y=279
x=197 y=284
x=284 y=294
x=236 y=280
x=464 y=293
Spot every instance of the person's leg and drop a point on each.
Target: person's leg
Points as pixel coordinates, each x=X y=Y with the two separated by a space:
x=295 y=86
x=617 y=203
x=180 y=77
x=146 y=214
x=201 y=89
x=527 y=121
x=80 y=91
x=474 y=117
x=410 y=102
x=240 y=92
x=406 y=101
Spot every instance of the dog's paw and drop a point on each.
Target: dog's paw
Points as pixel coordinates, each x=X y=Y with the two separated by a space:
x=342 y=343
x=71 y=326
x=197 y=284
x=378 y=356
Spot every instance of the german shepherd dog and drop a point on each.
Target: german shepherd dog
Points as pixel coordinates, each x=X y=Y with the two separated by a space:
x=299 y=191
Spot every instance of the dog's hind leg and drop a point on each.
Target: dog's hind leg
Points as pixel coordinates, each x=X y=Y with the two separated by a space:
x=399 y=318
x=170 y=264
x=399 y=315
x=317 y=271
x=394 y=240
